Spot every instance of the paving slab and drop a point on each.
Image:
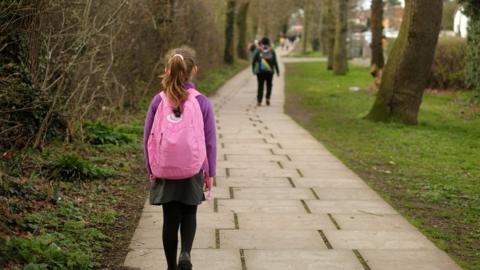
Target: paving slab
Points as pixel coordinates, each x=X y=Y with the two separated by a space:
x=289 y=221
x=321 y=182
x=301 y=259
x=269 y=157
x=350 y=194
x=253 y=182
x=271 y=239
x=273 y=193
x=261 y=206
x=220 y=192
x=367 y=222
x=408 y=260
x=248 y=164
x=202 y=259
x=377 y=207
x=262 y=172
x=380 y=240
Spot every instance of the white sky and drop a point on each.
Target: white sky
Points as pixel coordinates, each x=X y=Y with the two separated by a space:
x=367 y=3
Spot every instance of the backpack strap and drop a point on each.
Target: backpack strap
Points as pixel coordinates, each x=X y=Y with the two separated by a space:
x=194 y=92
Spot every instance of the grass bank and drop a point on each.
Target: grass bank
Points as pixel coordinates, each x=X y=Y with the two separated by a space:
x=429 y=172
x=76 y=205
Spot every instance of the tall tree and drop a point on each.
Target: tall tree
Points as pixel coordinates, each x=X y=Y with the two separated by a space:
x=376 y=24
x=242 y=30
x=340 y=62
x=407 y=71
x=324 y=28
x=331 y=32
x=229 y=32
x=472 y=10
x=306 y=24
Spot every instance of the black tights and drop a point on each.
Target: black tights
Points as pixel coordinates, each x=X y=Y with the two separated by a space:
x=261 y=79
x=175 y=215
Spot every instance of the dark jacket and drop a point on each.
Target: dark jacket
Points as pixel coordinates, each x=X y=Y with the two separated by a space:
x=257 y=58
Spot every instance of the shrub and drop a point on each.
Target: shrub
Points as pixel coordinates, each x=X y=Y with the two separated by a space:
x=72 y=168
x=99 y=134
x=448 y=70
x=60 y=238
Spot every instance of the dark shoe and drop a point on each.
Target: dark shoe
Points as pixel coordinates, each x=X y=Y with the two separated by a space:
x=184 y=261
x=259 y=104
x=268 y=102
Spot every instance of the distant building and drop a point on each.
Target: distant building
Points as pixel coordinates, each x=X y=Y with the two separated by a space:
x=460 y=23
x=393 y=15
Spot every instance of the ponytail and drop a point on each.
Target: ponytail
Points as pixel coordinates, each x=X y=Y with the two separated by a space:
x=178 y=68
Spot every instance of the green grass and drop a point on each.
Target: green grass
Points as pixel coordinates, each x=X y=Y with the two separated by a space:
x=213 y=79
x=429 y=172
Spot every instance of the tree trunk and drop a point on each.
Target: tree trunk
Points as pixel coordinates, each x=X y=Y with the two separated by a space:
x=376 y=21
x=306 y=26
x=340 y=64
x=229 y=33
x=242 y=51
x=472 y=67
x=407 y=71
x=331 y=32
x=324 y=29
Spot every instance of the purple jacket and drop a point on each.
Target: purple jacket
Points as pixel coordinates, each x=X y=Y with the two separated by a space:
x=209 y=128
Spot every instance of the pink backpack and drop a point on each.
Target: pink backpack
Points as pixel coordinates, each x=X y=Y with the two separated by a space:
x=176 y=145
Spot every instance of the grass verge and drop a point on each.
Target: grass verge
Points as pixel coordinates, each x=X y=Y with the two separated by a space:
x=429 y=172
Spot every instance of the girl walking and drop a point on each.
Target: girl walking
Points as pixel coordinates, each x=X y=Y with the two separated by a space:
x=264 y=65
x=180 y=153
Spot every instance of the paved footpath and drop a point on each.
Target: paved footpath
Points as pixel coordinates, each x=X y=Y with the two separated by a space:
x=283 y=202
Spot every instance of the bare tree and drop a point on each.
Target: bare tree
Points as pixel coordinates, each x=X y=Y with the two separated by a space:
x=331 y=20
x=376 y=24
x=340 y=61
x=229 y=32
x=242 y=30
x=407 y=71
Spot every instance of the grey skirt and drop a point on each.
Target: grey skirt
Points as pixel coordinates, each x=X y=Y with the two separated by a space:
x=187 y=191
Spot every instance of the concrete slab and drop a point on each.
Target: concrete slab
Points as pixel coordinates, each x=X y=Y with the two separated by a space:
x=329 y=183
x=271 y=239
x=368 y=222
x=262 y=172
x=382 y=240
x=408 y=260
x=261 y=206
x=273 y=193
x=350 y=207
x=269 y=157
x=301 y=259
x=290 y=221
x=253 y=182
x=202 y=259
x=252 y=164
x=349 y=194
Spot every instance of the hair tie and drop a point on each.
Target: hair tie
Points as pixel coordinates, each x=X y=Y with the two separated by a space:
x=179 y=55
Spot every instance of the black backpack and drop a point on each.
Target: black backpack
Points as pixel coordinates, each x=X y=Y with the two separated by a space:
x=266 y=59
